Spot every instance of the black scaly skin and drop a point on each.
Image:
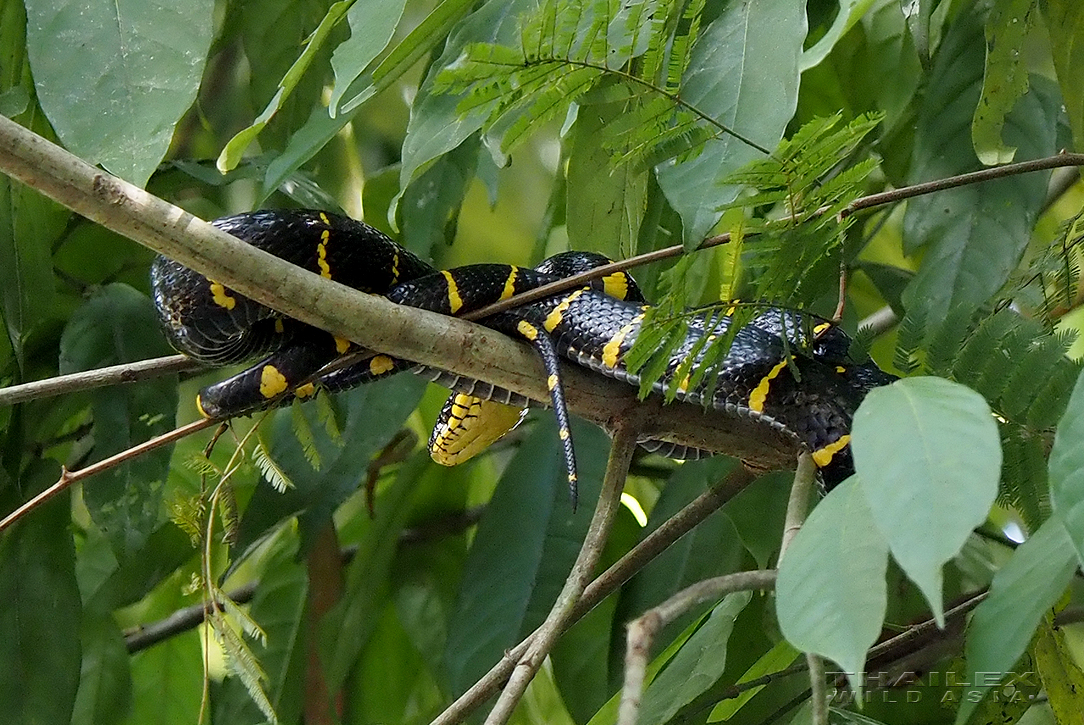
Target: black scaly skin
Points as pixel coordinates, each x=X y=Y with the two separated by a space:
x=586 y=326
x=217 y=326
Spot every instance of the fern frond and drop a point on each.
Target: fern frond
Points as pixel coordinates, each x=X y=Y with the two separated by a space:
x=270 y=470
x=1024 y=475
x=681 y=50
x=981 y=362
x=330 y=415
x=945 y=341
x=303 y=433
x=228 y=513
x=187 y=513
x=242 y=663
x=248 y=625
x=1050 y=402
x=566 y=49
x=806 y=183
x=1055 y=272
x=201 y=464
x=544 y=104
x=909 y=336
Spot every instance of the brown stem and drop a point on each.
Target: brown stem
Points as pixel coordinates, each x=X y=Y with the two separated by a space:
x=90 y=379
x=642 y=630
x=326 y=583
x=801 y=491
x=866 y=202
x=653 y=544
x=67 y=478
x=561 y=615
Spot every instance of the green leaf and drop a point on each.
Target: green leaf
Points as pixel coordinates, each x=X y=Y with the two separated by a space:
x=167 y=681
x=928 y=457
x=278 y=606
x=1065 y=23
x=1005 y=80
x=744 y=75
x=697 y=665
x=849 y=13
x=1063 y=680
x=391 y=683
x=368 y=575
x=114 y=79
x=372 y=23
x=758 y=512
x=974 y=235
x=313 y=135
x=375 y=414
x=132 y=579
x=39 y=622
x=1067 y=468
x=711 y=549
x=430 y=206
x=29 y=225
x=419 y=43
x=586 y=657
x=105 y=683
x=436 y=126
x=111 y=328
x=832 y=611
x=523 y=549
x=778 y=658
x=1022 y=592
x=235 y=148
x=605 y=205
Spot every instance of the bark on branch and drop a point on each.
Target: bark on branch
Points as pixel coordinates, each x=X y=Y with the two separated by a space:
x=373 y=322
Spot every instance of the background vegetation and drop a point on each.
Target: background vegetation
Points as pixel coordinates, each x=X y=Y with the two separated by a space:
x=505 y=131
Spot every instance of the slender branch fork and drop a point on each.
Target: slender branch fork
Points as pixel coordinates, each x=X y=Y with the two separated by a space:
x=68 y=478
x=560 y=616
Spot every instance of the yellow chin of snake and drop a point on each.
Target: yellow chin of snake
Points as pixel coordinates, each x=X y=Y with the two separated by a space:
x=467 y=426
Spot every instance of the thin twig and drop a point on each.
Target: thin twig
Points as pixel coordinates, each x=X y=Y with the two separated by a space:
x=603 y=586
x=997 y=172
x=67 y=478
x=101 y=377
x=560 y=616
x=145 y=635
x=642 y=630
x=801 y=491
x=818 y=690
x=866 y=202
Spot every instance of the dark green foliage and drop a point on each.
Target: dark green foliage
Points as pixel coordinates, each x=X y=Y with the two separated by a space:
x=504 y=130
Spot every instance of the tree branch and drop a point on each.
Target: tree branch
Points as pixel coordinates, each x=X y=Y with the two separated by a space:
x=99 y=378
x=70 y=478
x=370 y=321
x=642 y=630
x=560 y=616
x=607 y=583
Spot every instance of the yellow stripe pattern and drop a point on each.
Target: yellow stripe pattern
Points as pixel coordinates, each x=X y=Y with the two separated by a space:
x=455 y=302
x=611 y=351
x=321 y=254
x=616 y=285
x=510 y=283
x=553 y=319
x=221 y=296
x=272 y=382
x=760 y=392
x=823 y=456
x=380 y=364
